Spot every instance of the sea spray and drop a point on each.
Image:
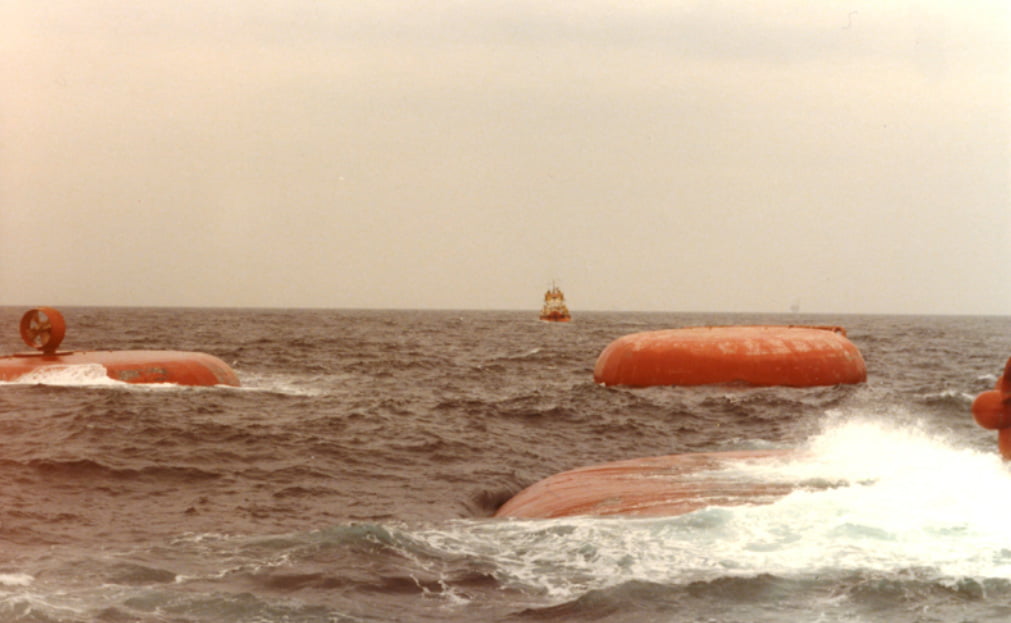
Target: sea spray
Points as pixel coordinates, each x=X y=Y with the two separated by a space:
x=88 y=374
x=895 y=498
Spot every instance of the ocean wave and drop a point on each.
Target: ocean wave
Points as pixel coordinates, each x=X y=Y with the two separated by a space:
x=93 y=469
x=16 y=579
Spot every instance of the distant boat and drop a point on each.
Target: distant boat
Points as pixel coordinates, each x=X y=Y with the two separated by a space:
x=554 y=309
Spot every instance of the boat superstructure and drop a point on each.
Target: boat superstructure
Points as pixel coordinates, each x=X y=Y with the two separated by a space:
x=554 y=309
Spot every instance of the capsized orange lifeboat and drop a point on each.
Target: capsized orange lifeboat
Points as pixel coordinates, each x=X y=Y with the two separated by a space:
x=992 y=410
x=761 y=355
x=654 y=486
x=43 y=328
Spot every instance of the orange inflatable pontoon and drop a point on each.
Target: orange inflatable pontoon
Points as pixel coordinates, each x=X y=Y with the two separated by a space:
x=992 y=410
x=762 y=355
x=43 y=328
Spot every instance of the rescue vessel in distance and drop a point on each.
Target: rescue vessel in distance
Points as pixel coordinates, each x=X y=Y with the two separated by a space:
x=43 y=329
x=554 y=309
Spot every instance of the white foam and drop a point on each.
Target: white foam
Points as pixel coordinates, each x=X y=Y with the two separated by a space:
x=908 y=499
x=15 y=579
x=295 y=385
x=68 y=374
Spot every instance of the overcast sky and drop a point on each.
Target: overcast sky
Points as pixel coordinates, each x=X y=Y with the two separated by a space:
x=847 y=157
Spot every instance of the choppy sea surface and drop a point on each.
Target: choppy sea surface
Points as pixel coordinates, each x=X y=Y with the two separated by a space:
x=354 y=474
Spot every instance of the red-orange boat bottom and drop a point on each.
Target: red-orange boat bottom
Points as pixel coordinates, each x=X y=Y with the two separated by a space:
x=992 y=410
x=130 y=366
x=797 y=356
x=655 y=486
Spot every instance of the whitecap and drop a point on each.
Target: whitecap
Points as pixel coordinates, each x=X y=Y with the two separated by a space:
x=69 y=374
x=900 y=498
x=15 y=579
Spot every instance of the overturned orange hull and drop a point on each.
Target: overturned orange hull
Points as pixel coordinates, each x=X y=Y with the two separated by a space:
x=992 y=410
x=655 y=486
x=130 y=366
x=797 y=356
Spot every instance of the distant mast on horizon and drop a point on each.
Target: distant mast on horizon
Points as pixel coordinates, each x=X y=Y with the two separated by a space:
x=554 y=309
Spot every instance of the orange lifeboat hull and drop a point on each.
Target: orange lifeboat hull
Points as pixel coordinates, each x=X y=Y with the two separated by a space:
x=797 y=356
x=655 y=486
x=130 y=366
x=992 y=410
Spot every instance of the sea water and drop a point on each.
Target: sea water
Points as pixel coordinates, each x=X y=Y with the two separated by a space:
x=354 y=475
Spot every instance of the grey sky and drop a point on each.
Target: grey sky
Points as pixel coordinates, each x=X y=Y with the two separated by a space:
x=850 y=157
